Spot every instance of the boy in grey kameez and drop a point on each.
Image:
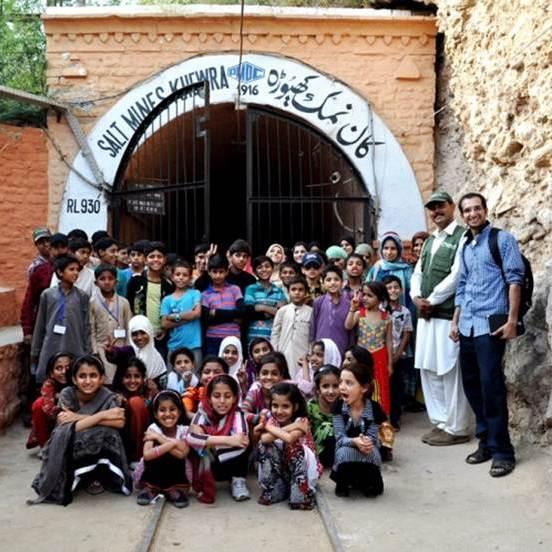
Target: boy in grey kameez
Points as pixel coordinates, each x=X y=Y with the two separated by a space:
x=63 y=322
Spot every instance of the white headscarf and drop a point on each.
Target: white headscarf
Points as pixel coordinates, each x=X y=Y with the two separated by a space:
x=155 y=365
x=236 y=343
x=331 y=353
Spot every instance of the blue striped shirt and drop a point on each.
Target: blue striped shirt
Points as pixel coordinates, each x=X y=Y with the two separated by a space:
x=481 y=289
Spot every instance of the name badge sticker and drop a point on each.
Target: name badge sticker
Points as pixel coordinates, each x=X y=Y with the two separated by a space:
x=59 y=329
x=119 y=333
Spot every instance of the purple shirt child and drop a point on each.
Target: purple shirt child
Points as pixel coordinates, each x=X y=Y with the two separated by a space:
x=328 y=320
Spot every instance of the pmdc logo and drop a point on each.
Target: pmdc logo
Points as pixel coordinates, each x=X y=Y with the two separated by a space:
x=246 y=73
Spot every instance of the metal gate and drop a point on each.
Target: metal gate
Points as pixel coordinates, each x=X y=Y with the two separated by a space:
x=300 y=187
x=161 y=190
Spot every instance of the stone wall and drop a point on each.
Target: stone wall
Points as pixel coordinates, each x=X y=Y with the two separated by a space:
x=24 y=205
x=495 y=94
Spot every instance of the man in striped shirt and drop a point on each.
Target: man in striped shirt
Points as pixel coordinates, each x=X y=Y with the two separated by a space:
x=484 y=290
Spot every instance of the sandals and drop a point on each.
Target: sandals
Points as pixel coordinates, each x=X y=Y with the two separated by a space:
x=479 y=456
x=95 y=488
x=500 y=468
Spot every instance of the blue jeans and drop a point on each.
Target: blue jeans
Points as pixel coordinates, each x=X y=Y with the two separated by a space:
x=485 y=388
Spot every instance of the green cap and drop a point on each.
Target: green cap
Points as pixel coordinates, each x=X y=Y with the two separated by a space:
x=439 y=197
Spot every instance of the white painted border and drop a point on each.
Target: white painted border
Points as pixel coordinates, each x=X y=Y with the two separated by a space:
x=287 y=85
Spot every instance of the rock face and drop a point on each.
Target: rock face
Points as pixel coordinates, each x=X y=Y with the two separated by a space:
x=496 y=89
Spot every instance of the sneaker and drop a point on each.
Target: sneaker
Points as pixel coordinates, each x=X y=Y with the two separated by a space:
x=144 y=498
x=430 y=434
x=445 y=439
x=240 y=491
x=178 y=498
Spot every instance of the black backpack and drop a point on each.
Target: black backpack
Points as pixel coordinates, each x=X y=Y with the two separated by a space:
x=527 y=286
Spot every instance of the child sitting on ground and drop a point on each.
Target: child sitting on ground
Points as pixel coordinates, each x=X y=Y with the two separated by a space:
x=219 y=435
x=258 y=348
x=165 y=452
x=45 y=409
x=323 y=352
x=182 y=374
x=320 y=410
x=85 y=448
x=288 y=466
x=210 y=367
x=356 y=419
x=273 y=369
x=130 y=384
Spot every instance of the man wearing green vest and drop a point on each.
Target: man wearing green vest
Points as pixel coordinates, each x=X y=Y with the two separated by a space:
x=432 y=289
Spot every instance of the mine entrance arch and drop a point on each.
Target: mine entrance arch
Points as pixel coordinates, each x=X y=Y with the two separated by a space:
x=209 y=172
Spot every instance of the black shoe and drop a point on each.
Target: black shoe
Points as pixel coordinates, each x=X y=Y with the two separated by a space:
x=179 y=499
x=479 y=456
x=341 y=490
x=500 y=468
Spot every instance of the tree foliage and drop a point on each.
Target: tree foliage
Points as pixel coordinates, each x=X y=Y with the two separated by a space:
x=22 y=57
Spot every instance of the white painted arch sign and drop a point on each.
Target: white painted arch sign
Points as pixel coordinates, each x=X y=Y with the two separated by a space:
x=330 y=106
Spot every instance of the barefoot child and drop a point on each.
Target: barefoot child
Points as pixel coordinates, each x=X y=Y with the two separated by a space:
x=219 y=435
x=356 y=418
x=85 y=448
x=288 y=466
x=165 y=452
x=320 y=411
x=45 y=409
x=374 y=334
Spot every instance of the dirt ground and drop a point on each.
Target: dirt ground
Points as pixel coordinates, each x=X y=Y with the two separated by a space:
x=433 y=501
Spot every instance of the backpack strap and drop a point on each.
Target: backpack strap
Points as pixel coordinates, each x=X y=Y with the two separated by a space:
x=495 y=250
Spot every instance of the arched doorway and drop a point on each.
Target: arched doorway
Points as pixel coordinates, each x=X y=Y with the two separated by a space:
x=299 y=93
x=216 y=173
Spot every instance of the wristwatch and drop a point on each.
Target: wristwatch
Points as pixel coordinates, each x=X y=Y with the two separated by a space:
x=177 y=317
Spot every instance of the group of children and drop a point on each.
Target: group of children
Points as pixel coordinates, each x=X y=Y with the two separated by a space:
x=145 y=382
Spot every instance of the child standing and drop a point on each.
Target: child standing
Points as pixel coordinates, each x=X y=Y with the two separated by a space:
x=312 y=269
x=81 y=249
x=45 y=409
x=181 y=312
x=239 y=254
x=109 y=316
x=355 y=267
x=391 y=264
x=182 y=375
x=146 y=292
x=291 y=328
x=375 y=335
x=288 y=466
x=264 y=298
x=403 y=362
x=137 y=258
x=273 y=369
x=320 y=410
x=63 y=321
x=220 y=435
x=130 y=384
x=165 y=452
x=85 y=447
x=108 y=252
x=222 y=306
x=356 y=418
x=330 y=311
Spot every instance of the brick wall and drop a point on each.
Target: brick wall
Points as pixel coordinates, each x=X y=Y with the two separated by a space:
x=23 y=202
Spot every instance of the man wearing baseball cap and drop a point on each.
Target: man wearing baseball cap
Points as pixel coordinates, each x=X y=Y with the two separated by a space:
x=312 y=268
x=41 y=239
x=433 y=286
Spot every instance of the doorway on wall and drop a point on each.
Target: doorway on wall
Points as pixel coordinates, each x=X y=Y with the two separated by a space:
x=196 y=172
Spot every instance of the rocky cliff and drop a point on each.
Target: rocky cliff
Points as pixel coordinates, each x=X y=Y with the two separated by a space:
x=494 y=135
